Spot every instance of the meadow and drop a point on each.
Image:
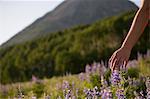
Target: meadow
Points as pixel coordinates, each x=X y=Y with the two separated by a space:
x=69 y=50
x=97 y=82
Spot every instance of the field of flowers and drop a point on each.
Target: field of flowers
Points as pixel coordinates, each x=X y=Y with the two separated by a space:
x=97 y=82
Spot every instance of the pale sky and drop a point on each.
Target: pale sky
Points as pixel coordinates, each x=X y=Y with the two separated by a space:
x=15 y=15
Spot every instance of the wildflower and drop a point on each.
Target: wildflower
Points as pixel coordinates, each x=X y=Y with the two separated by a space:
x=88 y=69
x=148 y=95
x=148 y=83
x=68 y=95
x=65 y=85
x=94 y=69
x=104 y=82
x=89 y=93
x=115 y=77
x=47 y=97
x=96 y=91
x=82 y=76
x=120 y=94
x=20 y=94
x=132 y=64
x=148 y=87
x=107 y=94
x=130 y=80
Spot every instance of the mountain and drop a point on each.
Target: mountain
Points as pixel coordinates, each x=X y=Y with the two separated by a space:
x=71 y=13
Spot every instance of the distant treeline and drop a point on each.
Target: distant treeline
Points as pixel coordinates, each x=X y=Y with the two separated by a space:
x=69 y=50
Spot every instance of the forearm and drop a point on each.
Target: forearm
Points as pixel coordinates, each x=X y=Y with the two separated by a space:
x=138 y=25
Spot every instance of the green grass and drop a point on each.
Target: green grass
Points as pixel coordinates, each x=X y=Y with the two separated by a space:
x=53 y=86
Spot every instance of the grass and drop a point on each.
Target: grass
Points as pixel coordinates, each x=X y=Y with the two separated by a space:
x=59 y=87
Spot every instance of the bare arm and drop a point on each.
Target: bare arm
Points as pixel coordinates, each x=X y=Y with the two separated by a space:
x=139 y=23
x=120 y=57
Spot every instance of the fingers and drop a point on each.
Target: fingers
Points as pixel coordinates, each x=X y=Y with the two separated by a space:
x=125 y=64
x=120 y=63
x=119 y=59
x=116 y=62
x=113 y=61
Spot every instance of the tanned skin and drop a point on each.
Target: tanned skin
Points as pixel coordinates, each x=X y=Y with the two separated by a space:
x=121 y=56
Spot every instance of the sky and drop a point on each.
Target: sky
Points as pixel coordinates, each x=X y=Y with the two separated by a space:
x=15 y=15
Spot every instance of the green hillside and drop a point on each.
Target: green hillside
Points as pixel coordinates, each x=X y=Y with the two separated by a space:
x=68 y=50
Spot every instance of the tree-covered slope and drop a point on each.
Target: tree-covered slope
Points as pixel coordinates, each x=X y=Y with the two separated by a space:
x=68 y=50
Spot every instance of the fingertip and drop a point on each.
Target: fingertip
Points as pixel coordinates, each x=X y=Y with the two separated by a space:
x=125 y=63
x=114 y=64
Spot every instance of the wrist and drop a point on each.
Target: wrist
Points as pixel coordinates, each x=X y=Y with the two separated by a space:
x=127 y=47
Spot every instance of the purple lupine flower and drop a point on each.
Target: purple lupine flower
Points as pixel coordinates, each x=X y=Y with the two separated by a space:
x=115 y=77
x=86 y=91
x=130 y=80
x=96 y=91
x=148 y=87
x=34 y=78
x=82 y=76
x=64 y=93
x=120 y=94
x=148 y=95
x=94 y=68
x=96 y=88
x=135 y=82
x=133 y=63
x=98 y=94
x=103 y=82
x=139 y=96
x=99 y=69
x=90 y=94
x=88 y=69
x=47 y=97
x=106 y=94
x=68 y=94
x=65 y=85
x=142 y=94
x=148 y=83
x=20 y=94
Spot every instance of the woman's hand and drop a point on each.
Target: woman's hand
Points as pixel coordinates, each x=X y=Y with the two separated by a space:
x=119 y=58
